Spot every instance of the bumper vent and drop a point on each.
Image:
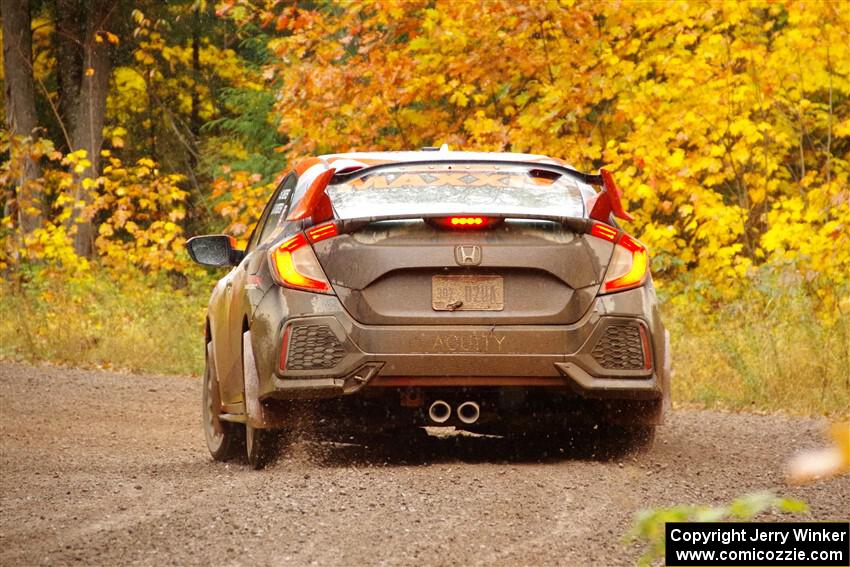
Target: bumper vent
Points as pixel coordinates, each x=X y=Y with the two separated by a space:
x=313 y=347
x=620 y=348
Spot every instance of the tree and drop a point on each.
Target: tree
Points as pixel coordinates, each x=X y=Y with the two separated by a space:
x=725 y=123
x=86 y=104
x=20 y=106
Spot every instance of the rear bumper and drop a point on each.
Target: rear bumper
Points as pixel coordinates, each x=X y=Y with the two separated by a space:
x=573 y=378
x=353 y=357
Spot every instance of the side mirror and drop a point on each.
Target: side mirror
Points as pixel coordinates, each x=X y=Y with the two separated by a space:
x=215 y=250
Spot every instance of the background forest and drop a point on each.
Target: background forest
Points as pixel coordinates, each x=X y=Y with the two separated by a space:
x=130 y=126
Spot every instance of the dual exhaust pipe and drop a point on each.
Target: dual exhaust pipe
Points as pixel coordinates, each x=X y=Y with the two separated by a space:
x=439 y=412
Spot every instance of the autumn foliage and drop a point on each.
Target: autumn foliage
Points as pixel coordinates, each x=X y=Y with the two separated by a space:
x=726 y=124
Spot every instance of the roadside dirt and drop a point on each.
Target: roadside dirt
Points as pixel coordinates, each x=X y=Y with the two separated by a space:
x=99 y=468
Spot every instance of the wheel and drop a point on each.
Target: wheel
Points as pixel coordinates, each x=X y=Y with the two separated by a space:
x=224 y=439
x=261 y=446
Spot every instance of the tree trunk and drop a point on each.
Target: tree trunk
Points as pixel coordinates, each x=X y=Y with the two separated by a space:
x=195 y=117
x=21 y=118
x=88 y=116
x=68 y=42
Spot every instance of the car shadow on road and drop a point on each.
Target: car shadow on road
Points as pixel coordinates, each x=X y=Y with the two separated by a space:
x=416 y=450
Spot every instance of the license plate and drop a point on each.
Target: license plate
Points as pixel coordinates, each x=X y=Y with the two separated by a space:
x=467 y=293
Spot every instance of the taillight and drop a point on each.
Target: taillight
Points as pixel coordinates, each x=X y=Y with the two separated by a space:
x=604 y=232
x=321 y=232
x=294 y=264
x=466 y=222
x=628 y=265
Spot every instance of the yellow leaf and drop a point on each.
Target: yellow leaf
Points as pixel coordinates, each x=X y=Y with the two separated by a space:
x=676 y=159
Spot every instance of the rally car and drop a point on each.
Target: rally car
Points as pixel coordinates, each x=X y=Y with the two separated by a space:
x=491 y=292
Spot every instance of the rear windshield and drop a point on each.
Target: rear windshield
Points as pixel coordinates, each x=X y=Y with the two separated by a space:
x=458 y=189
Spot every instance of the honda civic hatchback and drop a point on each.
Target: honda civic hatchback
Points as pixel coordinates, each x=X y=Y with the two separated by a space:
x=491 y=292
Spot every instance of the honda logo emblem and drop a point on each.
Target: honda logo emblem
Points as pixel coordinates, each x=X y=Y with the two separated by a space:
x=468 y=255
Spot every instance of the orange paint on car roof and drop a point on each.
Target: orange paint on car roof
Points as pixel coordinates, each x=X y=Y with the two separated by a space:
x=306 y=164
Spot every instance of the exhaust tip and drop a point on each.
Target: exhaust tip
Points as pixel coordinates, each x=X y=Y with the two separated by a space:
x=439 y=412
x=468 y=412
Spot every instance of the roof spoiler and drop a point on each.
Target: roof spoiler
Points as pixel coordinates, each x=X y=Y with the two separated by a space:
x=316 y=206
x=609 y=202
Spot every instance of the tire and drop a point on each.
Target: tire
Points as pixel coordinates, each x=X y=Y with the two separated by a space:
x=225 y=440
x=261 y=446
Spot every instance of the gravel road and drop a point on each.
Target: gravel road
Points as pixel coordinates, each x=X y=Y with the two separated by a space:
x=100 y=468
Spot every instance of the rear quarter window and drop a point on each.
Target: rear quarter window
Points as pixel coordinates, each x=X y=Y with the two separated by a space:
x=276 y=209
